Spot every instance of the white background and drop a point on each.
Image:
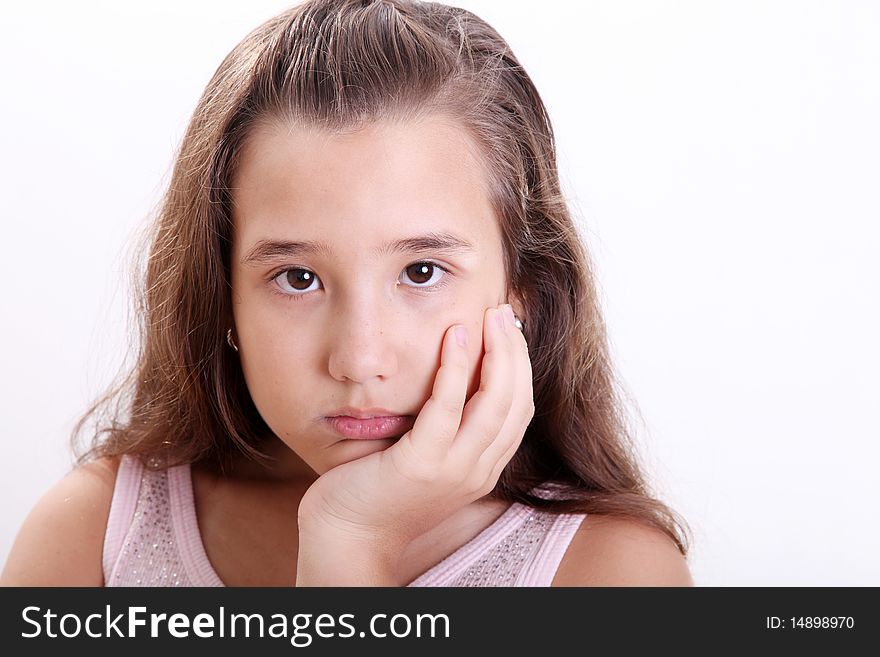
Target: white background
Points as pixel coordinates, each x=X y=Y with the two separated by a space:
x=722 y=157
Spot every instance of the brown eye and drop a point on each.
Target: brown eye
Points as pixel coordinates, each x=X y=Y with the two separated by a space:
x=420 y=272
x=424 y=274
x=298 y=280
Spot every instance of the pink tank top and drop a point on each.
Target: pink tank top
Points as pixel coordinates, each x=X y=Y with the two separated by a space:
x=153 y=539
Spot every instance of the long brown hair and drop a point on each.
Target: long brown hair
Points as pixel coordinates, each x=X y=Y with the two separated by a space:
x=339 y=65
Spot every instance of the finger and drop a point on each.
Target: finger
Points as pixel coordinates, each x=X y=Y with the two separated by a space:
x=499 y=453
x=438 y=422
x=486 y=412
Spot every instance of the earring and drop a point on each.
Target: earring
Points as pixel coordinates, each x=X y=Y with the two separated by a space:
x=517 y=322
x=229 y=339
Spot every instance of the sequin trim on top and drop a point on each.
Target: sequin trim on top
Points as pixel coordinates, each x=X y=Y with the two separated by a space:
x=503 y=563
x=522 y=548
x=149 y=555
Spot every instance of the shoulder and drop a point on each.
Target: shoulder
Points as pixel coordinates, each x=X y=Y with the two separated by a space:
x=61 y=540
x=614 y=551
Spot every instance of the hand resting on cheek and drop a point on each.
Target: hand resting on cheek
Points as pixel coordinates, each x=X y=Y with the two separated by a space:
x=358 y=516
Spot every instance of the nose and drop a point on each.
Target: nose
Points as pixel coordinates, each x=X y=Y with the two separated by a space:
x=362 y=344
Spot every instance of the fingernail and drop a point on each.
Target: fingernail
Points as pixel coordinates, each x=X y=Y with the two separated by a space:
x=499 y=318
x=508 y=312
x=461 y=336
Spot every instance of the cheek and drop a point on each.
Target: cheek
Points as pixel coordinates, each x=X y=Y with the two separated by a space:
x=418 y=348
x=472 y=319
x=273 y=368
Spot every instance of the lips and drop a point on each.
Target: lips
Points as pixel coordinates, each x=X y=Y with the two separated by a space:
x=364 y=413
x=373 y=428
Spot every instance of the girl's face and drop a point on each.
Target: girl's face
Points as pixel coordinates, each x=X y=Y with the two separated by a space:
x=352 y=255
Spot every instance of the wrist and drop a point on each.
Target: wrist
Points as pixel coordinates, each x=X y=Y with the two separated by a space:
x=339 y=559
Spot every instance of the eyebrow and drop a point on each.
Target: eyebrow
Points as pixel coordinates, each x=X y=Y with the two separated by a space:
x=266 y=251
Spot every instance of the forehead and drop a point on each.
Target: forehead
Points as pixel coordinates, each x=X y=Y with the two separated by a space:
x=384 y=181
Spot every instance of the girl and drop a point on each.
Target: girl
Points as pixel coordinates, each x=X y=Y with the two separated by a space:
x=372 y=352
